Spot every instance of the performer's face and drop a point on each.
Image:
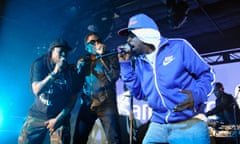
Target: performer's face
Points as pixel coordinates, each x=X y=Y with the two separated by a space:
x=137 y=46
x=94 y=45
x=58 y=53
x=217 y=91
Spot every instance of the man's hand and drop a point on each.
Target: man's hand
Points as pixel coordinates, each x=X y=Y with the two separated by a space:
x=124 y=52
x=124 y=57
x=52 y=125
x=60 y=65
x=187 y=104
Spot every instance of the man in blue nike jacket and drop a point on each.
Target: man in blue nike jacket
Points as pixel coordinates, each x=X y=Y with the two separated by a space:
x=172 y=77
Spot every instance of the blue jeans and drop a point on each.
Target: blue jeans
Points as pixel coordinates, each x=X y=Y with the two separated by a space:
x=193 y=131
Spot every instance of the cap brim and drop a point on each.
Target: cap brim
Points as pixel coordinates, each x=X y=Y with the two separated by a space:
x=123 y=32
x=68 y=48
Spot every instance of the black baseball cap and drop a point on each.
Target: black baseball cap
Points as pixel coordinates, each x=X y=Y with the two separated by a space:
x=60 y=43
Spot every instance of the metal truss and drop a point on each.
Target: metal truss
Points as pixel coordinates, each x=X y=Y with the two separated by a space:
x=222 y=57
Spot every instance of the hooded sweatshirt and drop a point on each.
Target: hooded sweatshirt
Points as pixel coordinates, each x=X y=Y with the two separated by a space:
x=175 y=65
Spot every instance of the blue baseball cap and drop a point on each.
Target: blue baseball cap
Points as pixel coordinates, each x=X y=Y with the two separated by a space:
x=138 y=21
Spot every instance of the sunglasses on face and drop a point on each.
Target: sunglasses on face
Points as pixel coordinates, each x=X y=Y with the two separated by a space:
x=93 y=42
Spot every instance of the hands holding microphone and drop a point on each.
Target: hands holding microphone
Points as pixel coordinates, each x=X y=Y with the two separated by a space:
x=60 y=65
x=124 y=52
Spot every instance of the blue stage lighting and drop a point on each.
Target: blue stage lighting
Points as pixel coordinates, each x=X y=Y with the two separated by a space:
x=1 y=118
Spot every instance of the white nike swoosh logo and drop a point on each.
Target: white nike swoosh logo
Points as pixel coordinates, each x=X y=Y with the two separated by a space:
x=168 y=60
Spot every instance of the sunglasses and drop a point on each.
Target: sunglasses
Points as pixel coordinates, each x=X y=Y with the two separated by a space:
x=93 y=42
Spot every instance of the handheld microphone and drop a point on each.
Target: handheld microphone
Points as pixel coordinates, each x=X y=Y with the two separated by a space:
x=63 y=62
x=123 y=49
x=63 y=59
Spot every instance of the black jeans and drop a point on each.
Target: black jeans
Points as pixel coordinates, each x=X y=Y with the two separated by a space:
x=109 y=117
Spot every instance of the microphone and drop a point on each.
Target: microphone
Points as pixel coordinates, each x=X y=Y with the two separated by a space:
x=63 y=62
x=63 y=59
x=123 y=49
